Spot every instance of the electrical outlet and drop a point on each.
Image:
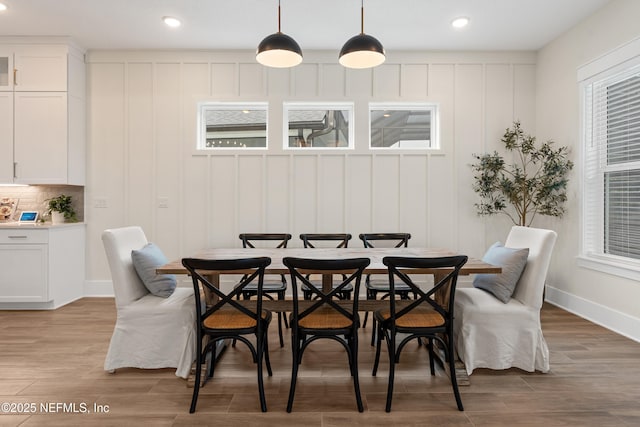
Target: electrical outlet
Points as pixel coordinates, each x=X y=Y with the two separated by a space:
x=163 y=202
x=100 y=202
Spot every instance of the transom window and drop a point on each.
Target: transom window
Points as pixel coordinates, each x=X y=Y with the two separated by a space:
x=232 y=125
x=318 y=125
x=403 y=126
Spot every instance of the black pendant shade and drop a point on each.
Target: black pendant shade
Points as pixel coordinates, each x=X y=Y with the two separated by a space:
x=363 y=50
x=279 y=50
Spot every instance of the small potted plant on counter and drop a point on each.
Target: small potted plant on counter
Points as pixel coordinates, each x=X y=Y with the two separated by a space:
x=61 y=209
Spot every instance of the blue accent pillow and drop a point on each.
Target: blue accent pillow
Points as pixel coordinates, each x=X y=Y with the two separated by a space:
x=145 y=262
x=512 y=261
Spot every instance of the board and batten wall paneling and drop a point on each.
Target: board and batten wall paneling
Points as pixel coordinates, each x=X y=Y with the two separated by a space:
x=105 y=154
x=139 y=162
x=167 y=127
x=469 y=132
x=414 y=205
x=359 y=188
x=442 y=223
x=331 y=194
x=277 y=186
x=142 y=157
x=194 y=183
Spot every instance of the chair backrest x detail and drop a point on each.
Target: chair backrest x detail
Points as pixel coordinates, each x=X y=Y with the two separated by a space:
x=440 y=297
x=397 y=240
x=201 y=271
x=248 y=239
x=351 y=270
x=341 y=238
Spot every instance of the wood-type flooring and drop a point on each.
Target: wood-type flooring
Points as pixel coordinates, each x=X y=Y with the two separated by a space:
x=51 y=373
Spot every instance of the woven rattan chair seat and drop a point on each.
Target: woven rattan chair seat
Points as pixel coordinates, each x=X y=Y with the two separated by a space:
x=325 y=318
x=231 y=319
x=417 y=318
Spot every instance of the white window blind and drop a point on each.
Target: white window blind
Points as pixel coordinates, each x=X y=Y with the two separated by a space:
x=612 y=166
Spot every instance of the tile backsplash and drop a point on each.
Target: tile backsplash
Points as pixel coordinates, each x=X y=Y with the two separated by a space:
x=34 y=197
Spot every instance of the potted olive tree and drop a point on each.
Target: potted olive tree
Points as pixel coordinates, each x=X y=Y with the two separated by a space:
x=535 y=183
x=61 y=209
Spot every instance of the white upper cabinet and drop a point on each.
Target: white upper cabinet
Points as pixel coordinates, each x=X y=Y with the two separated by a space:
x=33 y=68
x=6 y=137
x=42 y=114
x=40 y=133
x=6 y=70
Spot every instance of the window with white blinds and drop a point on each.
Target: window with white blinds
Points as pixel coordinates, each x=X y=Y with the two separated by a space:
x=611 y=211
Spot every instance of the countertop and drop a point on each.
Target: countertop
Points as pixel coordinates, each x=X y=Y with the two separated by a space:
x=43 y=225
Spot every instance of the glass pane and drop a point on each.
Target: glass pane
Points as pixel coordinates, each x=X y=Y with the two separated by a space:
x=622 y=213
x=4 y=71
x=233 y=126
x=316 y=126
x=623 y=121
x=401 y=127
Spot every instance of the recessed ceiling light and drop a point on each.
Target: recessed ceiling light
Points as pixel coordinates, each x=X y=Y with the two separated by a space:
x=3 y=7
x=460 y=22
x=171 y=21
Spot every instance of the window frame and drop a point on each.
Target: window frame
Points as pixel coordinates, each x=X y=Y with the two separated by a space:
x=620 y=62
x=310 y=106
x=201 y=138
x=434 y=142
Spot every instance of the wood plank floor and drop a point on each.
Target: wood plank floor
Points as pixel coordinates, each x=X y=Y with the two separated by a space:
x=57 y=356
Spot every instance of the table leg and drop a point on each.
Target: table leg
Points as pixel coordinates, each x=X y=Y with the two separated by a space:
x=327 y=283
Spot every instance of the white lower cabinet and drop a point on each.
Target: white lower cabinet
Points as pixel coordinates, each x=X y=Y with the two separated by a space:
x=41 y=268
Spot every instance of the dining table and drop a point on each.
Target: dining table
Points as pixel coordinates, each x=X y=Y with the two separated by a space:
x=376 y=266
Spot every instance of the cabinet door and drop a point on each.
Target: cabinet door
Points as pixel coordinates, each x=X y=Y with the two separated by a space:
x=24 y=273
x=6 y=137
x=40 y=137
x=6 y=70
x=40 y=68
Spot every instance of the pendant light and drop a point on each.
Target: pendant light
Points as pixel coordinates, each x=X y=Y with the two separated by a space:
x=363 y=50
x=279 y=50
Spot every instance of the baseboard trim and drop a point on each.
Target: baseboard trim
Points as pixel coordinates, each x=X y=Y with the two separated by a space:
x=599 y=314
x=98 y=288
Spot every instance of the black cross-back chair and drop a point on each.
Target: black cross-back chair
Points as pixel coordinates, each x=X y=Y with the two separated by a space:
x=277 y=287
x=324 y=317
x=341 y=240
x=375 y=286
x=221 y=316
x=429 y=316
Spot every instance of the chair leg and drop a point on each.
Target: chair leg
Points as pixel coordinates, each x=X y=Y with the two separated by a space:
x=282 y=296
x=196 y=385
x=354 y=371
x=452 y=370
x=391 y=344
x=431 y=356
x=280 y=329
x=261 y=343
x=378 y=333
x=295 y=348
x=266 y=354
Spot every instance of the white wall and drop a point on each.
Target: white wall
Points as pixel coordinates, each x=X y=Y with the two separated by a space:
x=606 y=299
x=142 y=134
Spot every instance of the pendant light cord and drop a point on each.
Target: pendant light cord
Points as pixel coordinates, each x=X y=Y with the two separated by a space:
x=279 y=16
x=361 y=17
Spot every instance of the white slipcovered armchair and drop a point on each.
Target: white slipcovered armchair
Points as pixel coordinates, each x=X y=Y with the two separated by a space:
x=495 y=335
x=151 y=332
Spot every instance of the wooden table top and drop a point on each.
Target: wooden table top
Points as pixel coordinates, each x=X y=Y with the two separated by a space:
x=376 y=255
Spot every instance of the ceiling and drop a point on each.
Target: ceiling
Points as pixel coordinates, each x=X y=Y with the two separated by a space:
x=315 y=24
